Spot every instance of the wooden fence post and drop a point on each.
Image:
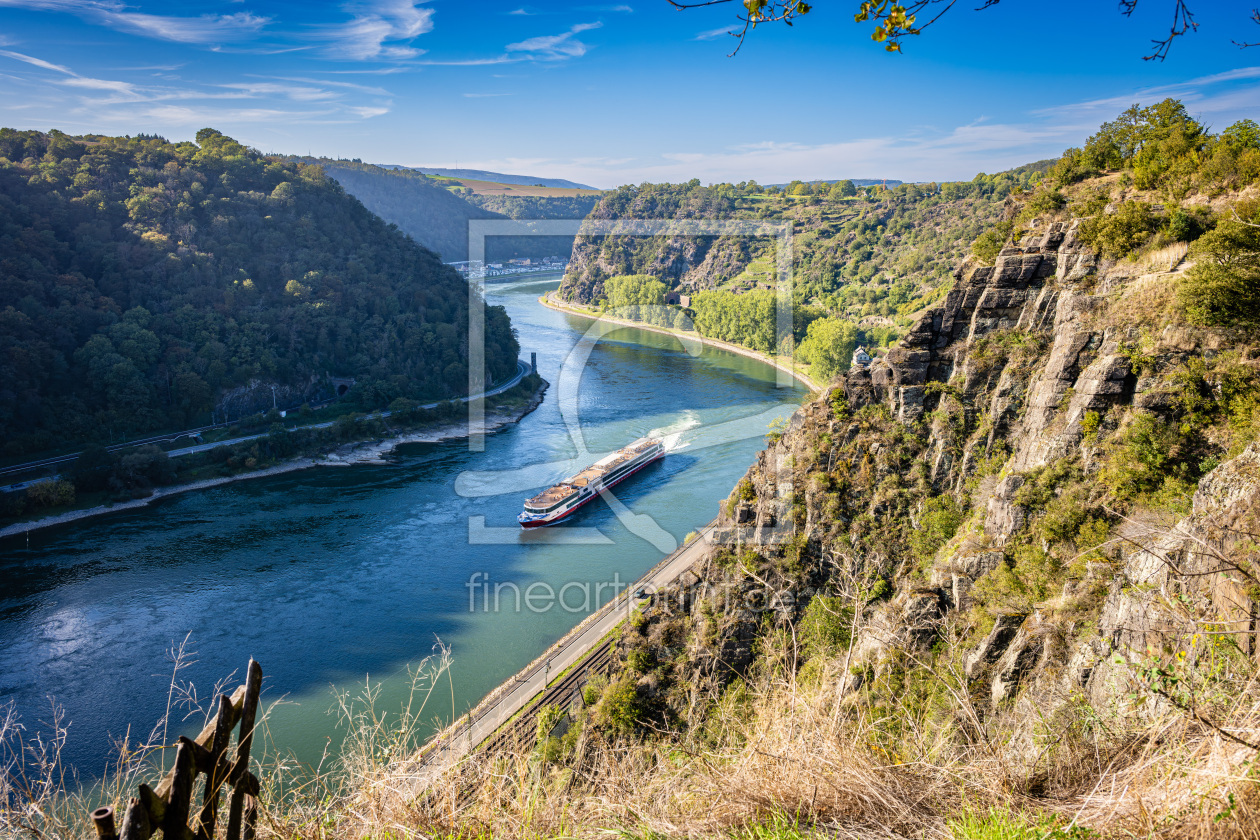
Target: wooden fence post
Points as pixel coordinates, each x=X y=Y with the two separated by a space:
x=215 y=774
x=179 y=798
x=167 y=808
x=103 y=819
x=241 y=818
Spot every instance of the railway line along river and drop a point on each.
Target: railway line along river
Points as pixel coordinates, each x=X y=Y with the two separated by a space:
x=330 y=576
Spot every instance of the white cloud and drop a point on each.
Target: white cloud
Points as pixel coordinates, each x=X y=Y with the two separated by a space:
x=711 y=34
x=555 y=47
x=204 y=29
x=74 y=79
x=380 y=30
x=95 y=104
x=468 y=62
x=38 y=62
x=296 y=93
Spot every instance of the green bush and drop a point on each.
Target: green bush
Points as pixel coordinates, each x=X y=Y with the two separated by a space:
x=941 y=518
x=56 y=493
x=1222 y=288
x=619 y=709
x=639 y=661
x=1120 y=233
x=1046 y=201
x=828 y=347
x=988 y=244
x=826 y=626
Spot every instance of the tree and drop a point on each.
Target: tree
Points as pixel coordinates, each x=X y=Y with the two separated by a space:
x=1222 y=288
x=828 y=347
x=895 y=20
x=843 y=189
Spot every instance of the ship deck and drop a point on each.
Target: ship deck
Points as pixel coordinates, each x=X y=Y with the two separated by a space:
x=551 y=495
x=600 y=468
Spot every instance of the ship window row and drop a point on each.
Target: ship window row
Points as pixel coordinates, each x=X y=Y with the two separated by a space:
x=622 y=470
x=549 y=509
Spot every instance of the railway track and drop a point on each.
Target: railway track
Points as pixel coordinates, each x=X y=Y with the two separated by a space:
x=521 y=730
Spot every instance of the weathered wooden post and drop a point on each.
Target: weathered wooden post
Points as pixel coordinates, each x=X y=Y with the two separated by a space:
x=238 y=813
x=103 y=819
x=179 y=797
x=215 y=773
x=167 y=809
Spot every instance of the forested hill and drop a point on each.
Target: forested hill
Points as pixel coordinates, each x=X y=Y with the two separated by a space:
x=865 y=260
x=432 y=215
x=436 y=211
x=141 y=281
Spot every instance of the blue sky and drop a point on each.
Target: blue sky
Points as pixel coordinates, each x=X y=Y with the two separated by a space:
x=616 y=93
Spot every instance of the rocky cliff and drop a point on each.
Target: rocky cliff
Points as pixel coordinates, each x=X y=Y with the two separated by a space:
x=1045 y=498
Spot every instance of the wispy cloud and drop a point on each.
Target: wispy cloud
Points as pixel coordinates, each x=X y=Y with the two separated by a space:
x=711 y=34
x=203 y=29
x=296 y=93
x=99 y=98
x=467 y=62
x=381 y=30
x=72 y=79
x=555 y=47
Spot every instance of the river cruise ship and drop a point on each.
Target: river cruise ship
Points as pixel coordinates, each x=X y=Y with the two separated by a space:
x=555 y=503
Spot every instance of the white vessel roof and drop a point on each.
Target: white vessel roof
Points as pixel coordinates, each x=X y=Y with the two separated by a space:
x=596 y=470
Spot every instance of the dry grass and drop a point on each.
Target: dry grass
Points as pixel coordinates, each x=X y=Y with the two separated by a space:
x=773 y=758
x=41 y=797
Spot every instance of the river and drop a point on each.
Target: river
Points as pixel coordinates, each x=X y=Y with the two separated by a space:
x=332 y=576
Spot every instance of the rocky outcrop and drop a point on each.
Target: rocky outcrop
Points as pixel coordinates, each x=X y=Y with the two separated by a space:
x=990 y=395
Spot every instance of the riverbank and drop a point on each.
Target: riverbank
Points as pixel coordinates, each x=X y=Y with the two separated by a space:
x=350 y=454
x=549 y=300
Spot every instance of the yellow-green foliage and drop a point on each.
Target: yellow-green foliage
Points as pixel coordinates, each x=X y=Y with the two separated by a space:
x=1222 y=288
x=828 y=347
x=988 y=244
x=51 y=493
x=938 y=524
x=619 y=708
x=825 y=628
x=1120 y=233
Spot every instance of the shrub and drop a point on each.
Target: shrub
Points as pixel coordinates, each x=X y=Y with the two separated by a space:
x=1122 y=232
x=988 y=244
x=826 y=626
x=51 y=493
x=1046 y=201
x=1222 y=288
x=619 y=709
x=639 y=661
x=941 y=518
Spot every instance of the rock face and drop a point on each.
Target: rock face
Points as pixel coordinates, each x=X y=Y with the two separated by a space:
x=1008 y=380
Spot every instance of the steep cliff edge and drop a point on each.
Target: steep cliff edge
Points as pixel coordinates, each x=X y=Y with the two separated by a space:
x=1031 y=524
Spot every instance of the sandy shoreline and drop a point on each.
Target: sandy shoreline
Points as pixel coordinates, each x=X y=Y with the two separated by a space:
x=364 y=452
x=551 y=303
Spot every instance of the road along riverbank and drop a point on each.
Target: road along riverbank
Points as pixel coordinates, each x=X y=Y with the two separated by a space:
x=357 y=452
x=465 y=735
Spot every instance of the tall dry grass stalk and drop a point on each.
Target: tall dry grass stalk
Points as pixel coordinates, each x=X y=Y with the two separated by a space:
x=774 y=756
x=41 y=797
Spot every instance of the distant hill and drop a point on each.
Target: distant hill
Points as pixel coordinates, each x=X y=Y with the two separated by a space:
x=857 y=182
x=497 y=177
x=437 y=217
